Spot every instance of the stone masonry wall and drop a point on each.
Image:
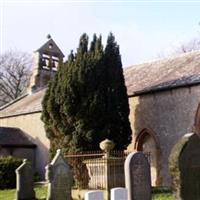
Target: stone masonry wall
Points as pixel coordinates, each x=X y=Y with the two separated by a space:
x=170 y=114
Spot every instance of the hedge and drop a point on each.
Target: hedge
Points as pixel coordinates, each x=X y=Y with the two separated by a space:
x=8 y=165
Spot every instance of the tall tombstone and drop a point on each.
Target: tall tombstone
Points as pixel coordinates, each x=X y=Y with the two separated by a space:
x=24 y=182
x=184 y=167
x=137 y=177
x=59 y=177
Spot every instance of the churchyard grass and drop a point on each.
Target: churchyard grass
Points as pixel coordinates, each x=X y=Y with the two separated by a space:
x=42 y=191
x=10 y=193
x=162 y=196
x=161 y=193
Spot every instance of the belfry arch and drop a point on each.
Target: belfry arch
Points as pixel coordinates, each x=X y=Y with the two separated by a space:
x=147 y=142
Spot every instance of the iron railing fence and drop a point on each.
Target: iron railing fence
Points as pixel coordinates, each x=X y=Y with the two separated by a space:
x=92 y=171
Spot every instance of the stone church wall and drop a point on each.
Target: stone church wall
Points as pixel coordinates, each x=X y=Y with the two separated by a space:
x=33 y=126
x=169 y=114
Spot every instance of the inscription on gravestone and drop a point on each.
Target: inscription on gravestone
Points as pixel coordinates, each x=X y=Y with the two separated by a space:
x=60 y=182
x=137 y=177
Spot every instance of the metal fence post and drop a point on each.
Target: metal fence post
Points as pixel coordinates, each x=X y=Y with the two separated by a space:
x=107 y=146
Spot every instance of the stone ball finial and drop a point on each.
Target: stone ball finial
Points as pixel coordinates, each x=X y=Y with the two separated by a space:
x=107 y=145
x=48 y=36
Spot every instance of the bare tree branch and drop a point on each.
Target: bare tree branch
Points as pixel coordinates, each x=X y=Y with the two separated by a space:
x=15 y=71
x=189 y=46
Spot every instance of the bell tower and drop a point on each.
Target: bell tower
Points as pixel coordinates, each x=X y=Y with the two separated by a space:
x=46 y=61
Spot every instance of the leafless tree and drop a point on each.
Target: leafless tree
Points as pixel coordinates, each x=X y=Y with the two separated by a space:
x=185 y=47
x=15 y=71
x=191 y=45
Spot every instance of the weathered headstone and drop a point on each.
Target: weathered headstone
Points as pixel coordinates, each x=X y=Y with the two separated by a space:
x=94 y=195
x=24 y=182
x=59 y=177
x=184 y=166
x=119 y=193
x=137 y=177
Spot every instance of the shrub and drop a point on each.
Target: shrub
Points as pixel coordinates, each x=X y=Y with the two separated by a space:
x=8 y=165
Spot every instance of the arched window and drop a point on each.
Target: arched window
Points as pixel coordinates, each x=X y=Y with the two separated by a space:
x=147 y=142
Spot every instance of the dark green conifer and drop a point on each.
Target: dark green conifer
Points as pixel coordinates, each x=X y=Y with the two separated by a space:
x=86 y=100
x=117 y=107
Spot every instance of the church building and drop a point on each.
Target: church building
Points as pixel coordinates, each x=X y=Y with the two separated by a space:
x=24 y=113
x=163 y=99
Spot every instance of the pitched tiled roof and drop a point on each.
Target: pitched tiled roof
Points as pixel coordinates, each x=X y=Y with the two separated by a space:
x=163 y=74
x=14 y=137
x=26 y=104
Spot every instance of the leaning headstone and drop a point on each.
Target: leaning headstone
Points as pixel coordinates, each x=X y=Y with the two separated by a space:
x=94 y=195
x=184 y=167
x=59 y=177
x=137 y=177
x=24 y=182
x=119 y=193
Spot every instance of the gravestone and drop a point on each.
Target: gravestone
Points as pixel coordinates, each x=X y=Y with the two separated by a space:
x=59 y=177
x=94 y=195
x=184 y=167
x=137 y=177
x=119 y=193
x=24 y=182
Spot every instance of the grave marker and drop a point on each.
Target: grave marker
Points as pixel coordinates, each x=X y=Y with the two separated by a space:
x=59 y=176
x=119 y=193
x=24 y=182
x=184 y=167
x=137 y=177
x=94 y=195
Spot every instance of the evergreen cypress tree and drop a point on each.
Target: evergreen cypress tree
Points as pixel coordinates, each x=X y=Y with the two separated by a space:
x=86 y=100
x=117 y=108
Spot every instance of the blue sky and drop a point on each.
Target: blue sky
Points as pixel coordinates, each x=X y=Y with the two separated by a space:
x=144 y=31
